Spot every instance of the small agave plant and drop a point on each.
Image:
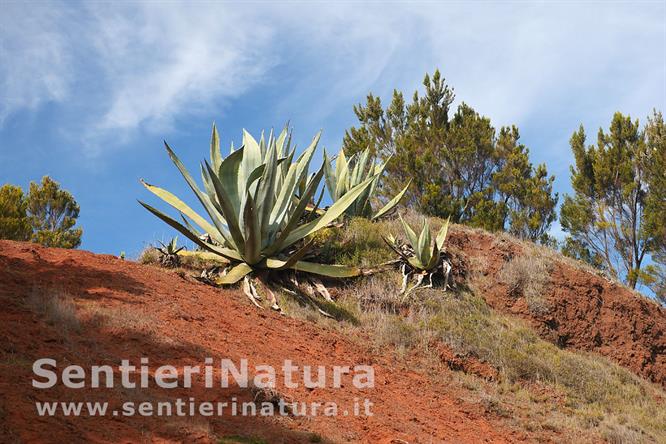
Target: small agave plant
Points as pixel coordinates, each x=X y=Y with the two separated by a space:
x=256 y=201
x=169 y=253
x=420 y=257
x=349 y=173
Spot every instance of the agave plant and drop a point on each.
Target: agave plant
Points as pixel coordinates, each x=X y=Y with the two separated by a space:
x=349 y=173
x=420 y=256
x=256 y=211
x=169 y=253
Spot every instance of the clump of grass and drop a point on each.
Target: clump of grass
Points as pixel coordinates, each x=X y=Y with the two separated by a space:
x=56 y=307
x=529 y=277
x=151 y=256
x=358 y=243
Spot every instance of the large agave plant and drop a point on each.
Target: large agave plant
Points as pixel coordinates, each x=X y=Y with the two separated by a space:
x=256 y=200
x=421 y=256
x=348 y=173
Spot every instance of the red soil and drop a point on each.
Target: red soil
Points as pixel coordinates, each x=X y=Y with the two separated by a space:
x=172 y=320
x=585 y=311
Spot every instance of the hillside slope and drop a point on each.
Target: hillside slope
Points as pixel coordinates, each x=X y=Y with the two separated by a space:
x=127 y=311
x=577 y=309
x=448 y=368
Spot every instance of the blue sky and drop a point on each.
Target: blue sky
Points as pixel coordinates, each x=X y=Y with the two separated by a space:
x=88 y=91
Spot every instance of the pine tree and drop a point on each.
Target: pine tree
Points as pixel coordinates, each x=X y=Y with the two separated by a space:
x=655 y=134
x=14 y=222
x=613 y=218
x=458 y=165
x=53 y=213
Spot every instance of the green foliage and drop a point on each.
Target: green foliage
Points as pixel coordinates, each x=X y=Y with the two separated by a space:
x=256 y=199
x=616 y=214
x=460 y=167
x=47 y=215
x=53 y=213
x=169 y=257
x=349 y=173
x=657 y=276
x=358 y=243
x=14 y=222
x=171 y=247
x=423 y=253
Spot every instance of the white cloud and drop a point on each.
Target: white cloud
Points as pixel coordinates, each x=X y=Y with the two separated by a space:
x=158 y=61
x=127 y=66
x=35 y=63
x=142 y=65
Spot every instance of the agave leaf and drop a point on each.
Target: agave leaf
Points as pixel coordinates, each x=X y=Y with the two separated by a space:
x=215 y=153
x=392 y=203
x=252 y=157
x=190 y=226
x=252 y=231
x=329 y=176
x=208 y=187
x=336 y=210
x=265 y=197
x=227 y=174
x=441 y=236
x=361 y=166
x=279 y=143
x=391 y=243
x=285 y=195
x=181 y=206
x=411 y=235
x=335 y=271
x=416 y=263
x=434 y=258
x=297 y=256
x=227 y=209
x=234 y=275
x=205 y=256
x=423 y=251
x=295 y=215
x=226 y=252
x=217 y=218
x=295 y=175
x=255 y=175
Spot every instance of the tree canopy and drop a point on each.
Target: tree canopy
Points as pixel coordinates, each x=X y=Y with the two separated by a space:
x=616 y=215
x=460 y=166
x=47 y=215
x=14 y=223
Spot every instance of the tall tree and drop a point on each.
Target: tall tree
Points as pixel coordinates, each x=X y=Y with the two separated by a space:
x=458 y=165
x=611 y=216
x=14 y=222
x=53 y=213
x=655 y=135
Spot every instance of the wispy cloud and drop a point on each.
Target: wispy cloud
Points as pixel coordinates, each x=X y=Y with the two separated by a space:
x=142 y=65
x=158 y=61
x=36 y=61
x=128 y=66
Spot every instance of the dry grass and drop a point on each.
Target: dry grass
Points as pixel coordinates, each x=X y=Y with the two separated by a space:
x=150 y=256
x=119 y=320
x=56 y=307
x=528 y=277
x=599 y=396
x=546 y=387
